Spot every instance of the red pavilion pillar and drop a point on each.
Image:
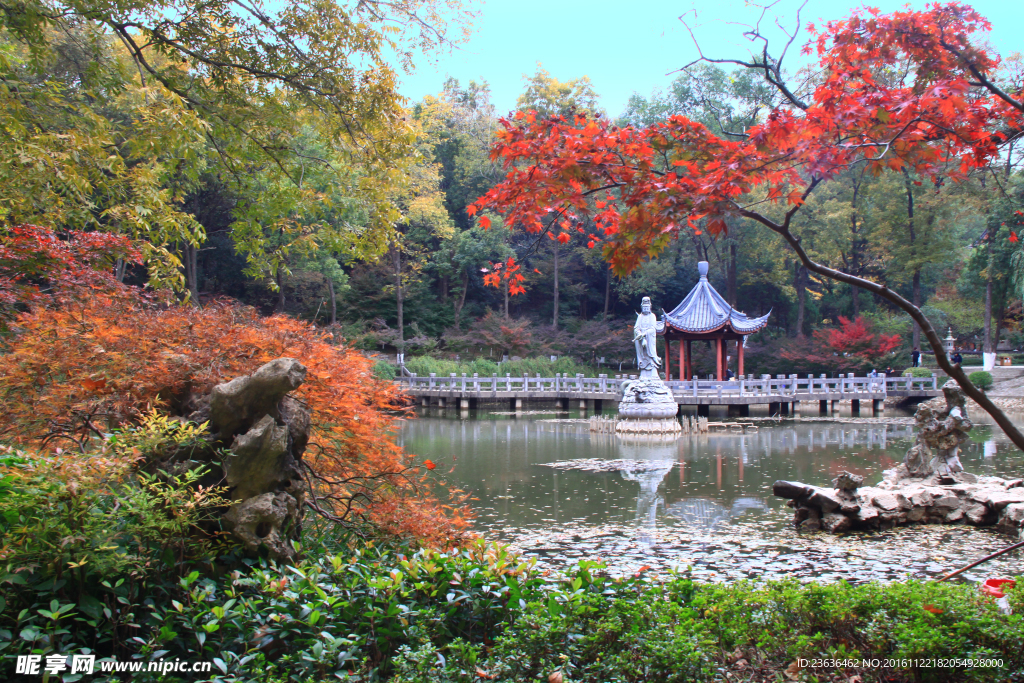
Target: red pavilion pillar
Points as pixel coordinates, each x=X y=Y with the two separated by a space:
x=689 y=359
x=719 y=358
x=682 y=359
x=739 y=356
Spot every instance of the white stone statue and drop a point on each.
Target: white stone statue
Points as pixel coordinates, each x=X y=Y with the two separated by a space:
x=645 y=339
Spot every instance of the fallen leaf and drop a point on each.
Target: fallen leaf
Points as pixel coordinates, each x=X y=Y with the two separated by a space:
x=555 y=677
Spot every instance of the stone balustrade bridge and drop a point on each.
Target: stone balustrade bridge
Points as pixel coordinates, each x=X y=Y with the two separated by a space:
x=780 y=394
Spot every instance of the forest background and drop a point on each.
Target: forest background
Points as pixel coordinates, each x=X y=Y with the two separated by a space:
x=361 y=227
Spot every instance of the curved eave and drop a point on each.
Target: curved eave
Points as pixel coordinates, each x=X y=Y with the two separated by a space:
x=755 y=325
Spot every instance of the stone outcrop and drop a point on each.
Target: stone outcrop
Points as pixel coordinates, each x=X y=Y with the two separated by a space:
x=259 y=436
x=929 y=487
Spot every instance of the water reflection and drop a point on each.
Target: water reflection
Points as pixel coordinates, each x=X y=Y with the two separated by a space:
x=718 y=478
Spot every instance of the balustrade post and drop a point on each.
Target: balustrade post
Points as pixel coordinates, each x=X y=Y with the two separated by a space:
x=463 y=382
x=433 y=379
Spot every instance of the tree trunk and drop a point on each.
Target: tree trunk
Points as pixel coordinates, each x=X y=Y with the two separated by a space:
x=461 y=301
x=916 y=340
x=912 y=234
x=988 y=310
x=190 y=259
x=607 y=292
x=279 y=278
x=854 y=252
x=507 y=283
x=334 y=301
x=119 y=269
x=1000 y=314
x=732 y=275
x=444 y=289
x=396 y=260
x=801 y=297
x=554 y=319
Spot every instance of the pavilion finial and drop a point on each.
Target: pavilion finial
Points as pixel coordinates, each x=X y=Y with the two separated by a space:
x=702 y=269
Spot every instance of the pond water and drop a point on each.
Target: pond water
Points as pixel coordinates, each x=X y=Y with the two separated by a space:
x=701 y=502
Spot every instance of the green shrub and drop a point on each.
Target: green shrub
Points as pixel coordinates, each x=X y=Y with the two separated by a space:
x=384 y=370
x=981 y=379
x=918 y=372
x=479 y=613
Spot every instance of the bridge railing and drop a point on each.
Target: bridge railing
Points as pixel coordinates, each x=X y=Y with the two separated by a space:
x=782 y=385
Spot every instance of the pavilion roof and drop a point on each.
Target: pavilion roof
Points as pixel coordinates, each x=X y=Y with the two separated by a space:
x=704 y=310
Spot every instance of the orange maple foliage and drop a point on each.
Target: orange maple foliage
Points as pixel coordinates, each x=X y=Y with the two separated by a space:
x=635 y=189
x=82 y=363
x=507 y=273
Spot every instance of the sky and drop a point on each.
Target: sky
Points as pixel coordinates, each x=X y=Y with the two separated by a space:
x=633 y=46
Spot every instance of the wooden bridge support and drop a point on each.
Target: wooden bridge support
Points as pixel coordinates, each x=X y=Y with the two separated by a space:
x=740 y=410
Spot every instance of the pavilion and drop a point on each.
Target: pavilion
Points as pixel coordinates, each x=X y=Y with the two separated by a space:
x=705 y=316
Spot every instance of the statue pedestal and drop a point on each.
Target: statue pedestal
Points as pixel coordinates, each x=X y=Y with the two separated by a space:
x=648 y=406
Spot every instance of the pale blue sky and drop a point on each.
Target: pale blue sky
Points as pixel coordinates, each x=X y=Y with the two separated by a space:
x=631 y=46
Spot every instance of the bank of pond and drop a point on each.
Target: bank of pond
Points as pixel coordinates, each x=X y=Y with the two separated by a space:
x=374 y=613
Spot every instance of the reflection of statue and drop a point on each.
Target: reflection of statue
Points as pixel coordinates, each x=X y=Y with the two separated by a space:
x=649 y=478
x=704 y=514
x=645 y=340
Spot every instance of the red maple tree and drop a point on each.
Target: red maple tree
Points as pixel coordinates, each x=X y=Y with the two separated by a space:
x=850 y=347
x=633 y=190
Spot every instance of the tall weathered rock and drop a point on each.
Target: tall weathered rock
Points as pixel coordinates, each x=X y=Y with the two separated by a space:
x=939 y=435
x=265 y=433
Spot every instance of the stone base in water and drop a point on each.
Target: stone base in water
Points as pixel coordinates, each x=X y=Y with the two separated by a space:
x=961 y=498
x=667 y=425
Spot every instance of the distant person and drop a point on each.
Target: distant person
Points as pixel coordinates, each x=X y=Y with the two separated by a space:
x=957 y=358
x=915 y=358
x=889 y=372
x=873 y=373
x=728 y=374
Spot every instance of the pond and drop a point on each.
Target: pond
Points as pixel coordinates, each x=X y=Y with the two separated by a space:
x=702 y=503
